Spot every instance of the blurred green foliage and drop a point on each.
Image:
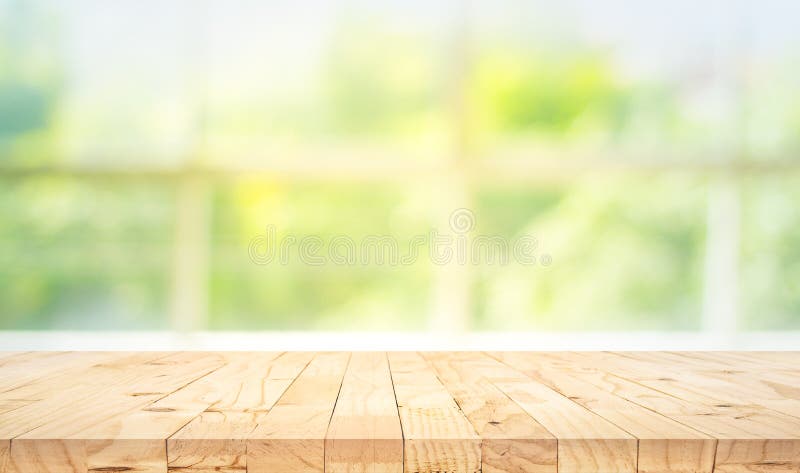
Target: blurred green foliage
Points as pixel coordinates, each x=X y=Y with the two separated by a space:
x=623 y=257
x=22 y=108
x=297 y=295
x=30 y=81
x=88 y=255
x=364 y=94
x=524 y=92
x=771 y=253
x=627 y=253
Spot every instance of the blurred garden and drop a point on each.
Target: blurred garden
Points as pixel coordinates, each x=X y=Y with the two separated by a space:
x=651 y=149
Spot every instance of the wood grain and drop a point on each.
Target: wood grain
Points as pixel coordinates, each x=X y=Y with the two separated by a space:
x=764 y=440
x=438 y=437
x=432 y=412
x=215 y=439
x=291 y=437
x=364 y=434
x=665 y=445
x=512 y=441
x=96 y=434
x=587 y=442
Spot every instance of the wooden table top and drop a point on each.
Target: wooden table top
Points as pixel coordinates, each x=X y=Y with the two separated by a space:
x=459 y=412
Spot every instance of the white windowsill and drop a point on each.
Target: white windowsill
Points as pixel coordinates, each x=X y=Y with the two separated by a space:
x=356 y=341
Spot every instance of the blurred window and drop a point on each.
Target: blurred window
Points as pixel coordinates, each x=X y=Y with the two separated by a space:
x=651 y=148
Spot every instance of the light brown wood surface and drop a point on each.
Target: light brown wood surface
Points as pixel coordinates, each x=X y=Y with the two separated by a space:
x=431 y=412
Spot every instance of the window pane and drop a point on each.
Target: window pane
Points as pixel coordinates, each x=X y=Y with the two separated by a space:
x=300 y=293
x=78 y=255
x=621 y=254
x=656 y=80
x=353 y=72
x=770 y=268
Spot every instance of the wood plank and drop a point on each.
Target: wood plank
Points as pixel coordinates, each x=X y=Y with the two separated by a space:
x=743 y=392
x=53 y=396
x=711 y=361
x=5 y=455
x=788 y=377
x=143 y=385
x=69 y=436
x=364 y=434
x=9 y=357
x=291 y=437
x=757 y=456
x=555 y=412
x=144 y=424
x=215 y=440
x=771 y=389
x=775 y=388
x=20 y=369
x=673 y=383
x=665 y=445
x=167 y=414
x=31 y=374
x=438 y=437
x=586 y=441
x=759 y=360
x=770 y=439
x=8 y=354
x=511 y=440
